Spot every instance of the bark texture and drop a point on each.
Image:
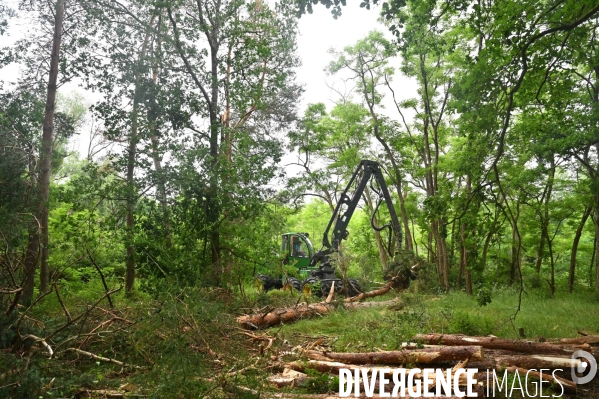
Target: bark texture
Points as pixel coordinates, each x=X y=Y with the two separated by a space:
x=47 y=142
x=423 y=356
x=495 y=343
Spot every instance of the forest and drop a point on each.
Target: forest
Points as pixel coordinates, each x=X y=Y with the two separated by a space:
x=124 y=264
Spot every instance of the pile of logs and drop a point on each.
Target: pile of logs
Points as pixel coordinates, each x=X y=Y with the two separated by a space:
x=452 y=352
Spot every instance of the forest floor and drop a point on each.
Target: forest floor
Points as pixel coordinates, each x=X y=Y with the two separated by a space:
x=186 y=344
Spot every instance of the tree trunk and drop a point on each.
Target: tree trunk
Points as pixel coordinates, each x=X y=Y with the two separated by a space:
x=131 y=196
x=398 y=182
x=585 y=216
x=545 y=215
x=161 y=186
x=441 y=245
x=404 y=218
x=30 y=264
x=47 y=142
x=211 y=29
x=32 y=253
x=152 y=116
x=414 y=235
x=515 y=261
x=593 y=256
x=552 y=260
x=469 y=254
x=541 y=250
x=596 y=252
x=212 y=207
x=465 y=258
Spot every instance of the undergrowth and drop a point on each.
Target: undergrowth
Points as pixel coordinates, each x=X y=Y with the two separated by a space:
x=184 y=341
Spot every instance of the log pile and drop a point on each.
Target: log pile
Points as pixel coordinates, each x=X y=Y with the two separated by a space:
x=446 y=351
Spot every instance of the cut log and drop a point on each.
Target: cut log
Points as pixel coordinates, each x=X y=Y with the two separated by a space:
x=302 y=311
x=331 y=367
x=569 y=386
x=588 y=339
x=423 y=356
x=501 y=362
x=495 y=343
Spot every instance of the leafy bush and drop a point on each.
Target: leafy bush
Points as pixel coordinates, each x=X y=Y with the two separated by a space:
x=483 y=296
x=318 y=382
x=467 y=323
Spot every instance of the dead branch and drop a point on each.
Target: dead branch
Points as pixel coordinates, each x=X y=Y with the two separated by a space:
x=104 y=359
x=91 y=258
x=10 y=292
x=84 y=313
x=64 y=308
x=40 y=340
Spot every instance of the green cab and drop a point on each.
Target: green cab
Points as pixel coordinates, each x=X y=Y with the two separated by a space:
x=297 y=250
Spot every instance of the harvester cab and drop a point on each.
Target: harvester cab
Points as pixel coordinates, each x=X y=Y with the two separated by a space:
x=297 y=250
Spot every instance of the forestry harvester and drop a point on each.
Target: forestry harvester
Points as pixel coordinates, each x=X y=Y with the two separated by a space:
x=317 y=267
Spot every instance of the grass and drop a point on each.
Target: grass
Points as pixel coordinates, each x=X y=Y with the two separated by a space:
x=456 y=312
x=172 y=338
x=174 y=334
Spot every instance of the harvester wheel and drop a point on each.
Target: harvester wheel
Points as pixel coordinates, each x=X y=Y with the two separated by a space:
x=270 y=283
x=295 y=283
x=353 y=287
x=325 y=288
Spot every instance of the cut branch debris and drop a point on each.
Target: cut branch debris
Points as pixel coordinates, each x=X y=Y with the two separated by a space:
x=104 y=359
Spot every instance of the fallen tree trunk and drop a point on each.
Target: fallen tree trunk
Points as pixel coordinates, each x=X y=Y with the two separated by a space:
x=424 y=356
x=371 y=294
x=569 y=386
x=494 y=343
x=303 y=311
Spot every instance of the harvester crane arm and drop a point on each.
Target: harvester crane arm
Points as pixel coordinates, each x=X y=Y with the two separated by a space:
x=361 y=177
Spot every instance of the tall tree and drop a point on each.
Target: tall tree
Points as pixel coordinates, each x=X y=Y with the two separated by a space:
x=47 y=142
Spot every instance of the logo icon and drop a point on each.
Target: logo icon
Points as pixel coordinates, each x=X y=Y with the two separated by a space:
x=587 y=366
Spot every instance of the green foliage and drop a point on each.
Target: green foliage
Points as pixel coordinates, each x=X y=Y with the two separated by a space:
x=492 y=164
x=483 y=296
x=463 y=322
x=318 y=382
